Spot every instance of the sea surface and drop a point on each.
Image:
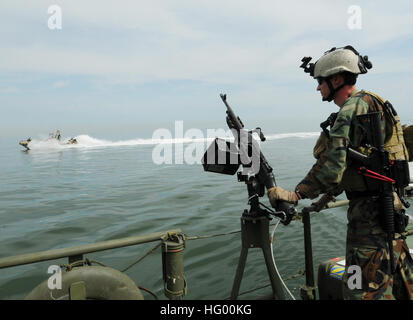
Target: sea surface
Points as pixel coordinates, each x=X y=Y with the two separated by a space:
x=59 y=196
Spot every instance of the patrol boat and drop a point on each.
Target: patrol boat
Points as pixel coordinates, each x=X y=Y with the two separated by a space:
x=52 y=137
x=25 y=143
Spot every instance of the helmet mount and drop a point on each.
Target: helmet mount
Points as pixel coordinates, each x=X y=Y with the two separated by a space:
x=308 y=68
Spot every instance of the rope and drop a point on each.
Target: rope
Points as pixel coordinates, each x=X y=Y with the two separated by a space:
x=149 y=291
x=275 y=266
x=143 y=257
x=186 y=237
x=80 y=263
x=217 y=234
x=211 y=236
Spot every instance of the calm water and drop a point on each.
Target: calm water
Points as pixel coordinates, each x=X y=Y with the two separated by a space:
x=60 y=196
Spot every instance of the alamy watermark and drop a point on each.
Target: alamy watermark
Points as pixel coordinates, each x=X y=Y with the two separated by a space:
x=55 y=20
x=354 y=280
x=238 y=147
x=55 y=280
x=354 y=22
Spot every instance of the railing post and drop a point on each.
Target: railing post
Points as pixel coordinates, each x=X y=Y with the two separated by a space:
x=173 y=266
x=308 y=291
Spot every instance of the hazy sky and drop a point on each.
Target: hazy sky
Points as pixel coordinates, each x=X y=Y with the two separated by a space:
x=141 y=65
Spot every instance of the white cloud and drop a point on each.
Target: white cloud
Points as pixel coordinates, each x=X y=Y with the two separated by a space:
x=226 y=41
x=249 y=49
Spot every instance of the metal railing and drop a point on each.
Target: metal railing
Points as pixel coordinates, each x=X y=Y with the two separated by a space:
x=173 y=243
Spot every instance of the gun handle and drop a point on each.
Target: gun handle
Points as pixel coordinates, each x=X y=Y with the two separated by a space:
x=288 y=209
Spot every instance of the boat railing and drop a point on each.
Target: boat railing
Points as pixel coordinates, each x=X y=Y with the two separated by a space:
x=173 y=243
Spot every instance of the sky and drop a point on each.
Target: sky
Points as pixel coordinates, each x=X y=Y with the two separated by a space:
x=131 y=67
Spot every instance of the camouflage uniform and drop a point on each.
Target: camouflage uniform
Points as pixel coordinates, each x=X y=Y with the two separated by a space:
x=367 y=244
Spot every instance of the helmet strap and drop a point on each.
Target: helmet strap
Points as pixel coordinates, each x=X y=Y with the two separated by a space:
x=332 y=90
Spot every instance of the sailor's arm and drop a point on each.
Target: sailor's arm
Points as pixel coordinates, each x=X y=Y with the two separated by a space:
x=327 y=173
x=324 y=176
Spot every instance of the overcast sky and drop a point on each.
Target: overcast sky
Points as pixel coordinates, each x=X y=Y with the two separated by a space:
x=141 y=65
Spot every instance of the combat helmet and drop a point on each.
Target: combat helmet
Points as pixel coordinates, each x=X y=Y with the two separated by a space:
x=345 y=60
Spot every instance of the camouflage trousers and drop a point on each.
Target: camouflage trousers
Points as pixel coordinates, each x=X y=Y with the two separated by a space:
x=367 y=248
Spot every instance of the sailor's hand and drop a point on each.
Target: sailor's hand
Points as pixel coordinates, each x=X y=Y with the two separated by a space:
x=277 y=193
x=322 y=202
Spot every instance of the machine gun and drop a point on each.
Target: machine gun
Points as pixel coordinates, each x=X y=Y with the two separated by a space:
x=383 y=176
x=226 y=157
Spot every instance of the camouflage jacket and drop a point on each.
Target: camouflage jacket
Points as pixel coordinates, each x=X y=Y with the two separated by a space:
x=333 y=172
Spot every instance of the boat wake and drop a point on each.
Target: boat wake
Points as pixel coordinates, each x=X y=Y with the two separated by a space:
x=292 y=135
x=85 y=141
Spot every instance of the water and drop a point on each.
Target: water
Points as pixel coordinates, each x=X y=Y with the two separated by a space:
x=57 y=196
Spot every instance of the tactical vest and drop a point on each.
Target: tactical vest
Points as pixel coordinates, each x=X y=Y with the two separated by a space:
x=408 y=139
x=393 y=141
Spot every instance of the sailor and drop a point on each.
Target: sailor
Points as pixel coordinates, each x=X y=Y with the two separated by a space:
x=58 y=136
x=367 y=244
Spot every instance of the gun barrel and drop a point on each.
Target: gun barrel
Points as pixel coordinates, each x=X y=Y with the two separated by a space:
x=234 y=119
